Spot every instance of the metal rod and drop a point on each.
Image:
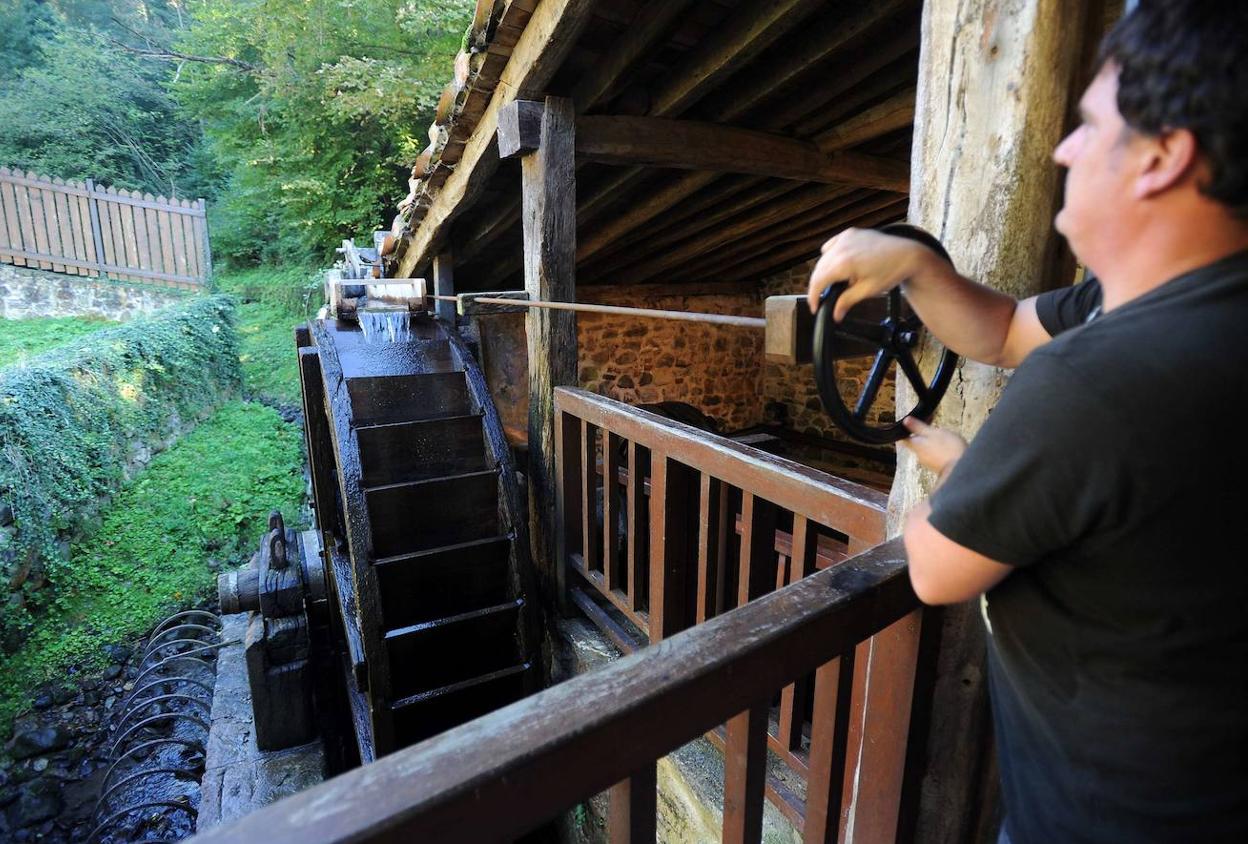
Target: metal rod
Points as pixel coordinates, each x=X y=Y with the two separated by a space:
x=682 y=316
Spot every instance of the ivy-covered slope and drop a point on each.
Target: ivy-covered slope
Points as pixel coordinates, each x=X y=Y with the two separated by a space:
x=69 y=420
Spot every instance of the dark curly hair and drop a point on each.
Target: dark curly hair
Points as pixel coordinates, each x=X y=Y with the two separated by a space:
x=1182 y=65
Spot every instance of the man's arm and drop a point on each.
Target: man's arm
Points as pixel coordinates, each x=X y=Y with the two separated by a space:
x=973 y=320
x=941 y=570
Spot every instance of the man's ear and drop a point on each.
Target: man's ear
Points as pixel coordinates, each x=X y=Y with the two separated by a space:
x=1170 y=157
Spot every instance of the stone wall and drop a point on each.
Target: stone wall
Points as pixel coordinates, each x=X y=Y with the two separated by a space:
x=26 y=292
x=793 y=387
x=717 y=369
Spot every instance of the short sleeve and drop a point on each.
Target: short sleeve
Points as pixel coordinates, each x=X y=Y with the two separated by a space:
x=1041 y=474
x=1069 y=307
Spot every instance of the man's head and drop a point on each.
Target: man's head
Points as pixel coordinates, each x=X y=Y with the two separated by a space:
x=1164 y=133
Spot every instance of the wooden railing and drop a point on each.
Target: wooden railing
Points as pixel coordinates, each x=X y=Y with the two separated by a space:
x=699 y=525
x=81 y=229
x=503 y=775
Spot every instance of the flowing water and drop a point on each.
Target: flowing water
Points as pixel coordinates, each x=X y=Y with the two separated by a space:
x=385 y=325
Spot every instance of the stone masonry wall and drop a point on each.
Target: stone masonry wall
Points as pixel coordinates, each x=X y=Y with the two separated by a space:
x=717 y=369
x=26 y=292
x=793 y=387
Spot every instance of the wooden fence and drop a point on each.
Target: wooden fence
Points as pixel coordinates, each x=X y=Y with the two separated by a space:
x=82 y=229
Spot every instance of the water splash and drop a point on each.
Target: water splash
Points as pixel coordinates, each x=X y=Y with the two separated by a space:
x=385 y=325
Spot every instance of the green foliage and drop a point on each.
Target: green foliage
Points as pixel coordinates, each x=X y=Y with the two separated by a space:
x=315 y=108
x=207 y=497
x=274 y=302
x=69 y=416
x=121 y=128
x=22 y=338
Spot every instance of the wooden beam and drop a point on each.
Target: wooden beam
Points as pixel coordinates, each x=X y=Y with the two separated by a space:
x=650 y=24
x=646 y=208
x=897 y=112
x=444 y=285
x=549 y=215
x=749 y=31
x=814 y=42
x=696 y=145
x=653 y=262
x=519 y=128
x=540 y=50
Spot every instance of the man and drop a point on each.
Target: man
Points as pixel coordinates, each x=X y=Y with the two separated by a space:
x=1099 y=506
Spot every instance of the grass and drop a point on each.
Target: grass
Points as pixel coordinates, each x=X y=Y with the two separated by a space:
x=207 y=497
x=274 y=302
x=21 y=338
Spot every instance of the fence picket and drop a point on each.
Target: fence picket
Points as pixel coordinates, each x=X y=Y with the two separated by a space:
x=79 y=228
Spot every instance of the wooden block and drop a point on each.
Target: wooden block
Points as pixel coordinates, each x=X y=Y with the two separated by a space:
x=519 y=128
x=790 y=330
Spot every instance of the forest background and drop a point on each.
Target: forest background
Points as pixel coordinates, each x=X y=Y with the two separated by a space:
x=296 y=119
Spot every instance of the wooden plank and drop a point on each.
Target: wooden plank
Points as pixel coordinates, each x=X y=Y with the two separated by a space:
x=710 y=550
x=621 y=638
x=93 y=215
x=745 y=770
x=729 y=47
x=150 y=226
x=166 y=241
x=612 y=446
x=61 y=236
x=31 y=180
x=111 y=268
x=80 y=229
x=13 y=225
x=829 y=743
x=848 y=507
x=546 y=41
x=485 y=781
x=649 y=25
x=889 y=662
x=637 y=513
x=193 y=248
x=177 y=241
x=549 y=186
x=633 y=812
x=568 y=499
x=114 y=248
x=467 y=304
x=699 y=145
x=8 y=224
x=671 y=489
x=640 y=211
x=143 y=246
x=38 y=221
x=131 y=220
x=444 y=285
x=895 y=113
x=205 y=243
x=758 y=548
x=589 y=492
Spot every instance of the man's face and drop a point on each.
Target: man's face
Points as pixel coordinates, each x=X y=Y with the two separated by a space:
x=1094 y=155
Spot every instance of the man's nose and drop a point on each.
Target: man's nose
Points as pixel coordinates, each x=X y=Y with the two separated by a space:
x=1062 y=153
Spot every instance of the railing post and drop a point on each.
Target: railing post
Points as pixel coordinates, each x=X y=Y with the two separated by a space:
x=610 y=509
x=638 y=529
x=829 y=741
x=589 y=497
x=633 y=810
x=745 y=772
x=567 y=498
x=671 y=487
x=758 y=548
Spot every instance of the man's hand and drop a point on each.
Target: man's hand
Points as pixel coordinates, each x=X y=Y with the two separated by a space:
x=935 y=448
x=873 y=263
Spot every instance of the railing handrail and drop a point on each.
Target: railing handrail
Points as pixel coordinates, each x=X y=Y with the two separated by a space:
x=506 y=773
x=853 y=508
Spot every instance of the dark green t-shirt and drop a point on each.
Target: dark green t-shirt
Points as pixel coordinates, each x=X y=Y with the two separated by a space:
x=1112 y=476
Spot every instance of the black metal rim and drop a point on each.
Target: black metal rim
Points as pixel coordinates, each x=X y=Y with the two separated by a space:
x=895 y=337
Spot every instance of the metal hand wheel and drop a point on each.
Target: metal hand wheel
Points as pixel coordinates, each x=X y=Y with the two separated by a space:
x=887 y=329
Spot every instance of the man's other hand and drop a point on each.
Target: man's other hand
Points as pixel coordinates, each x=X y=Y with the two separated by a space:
x=871 y=262
x=935 y=448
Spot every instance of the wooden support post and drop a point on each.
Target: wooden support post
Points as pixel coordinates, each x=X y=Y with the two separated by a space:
x=986 y=124
x=549 y=219
x=444 y=285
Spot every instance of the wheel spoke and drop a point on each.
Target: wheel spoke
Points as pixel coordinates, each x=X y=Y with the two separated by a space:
x=894 y=304
x=872 y=388
x=913 y=374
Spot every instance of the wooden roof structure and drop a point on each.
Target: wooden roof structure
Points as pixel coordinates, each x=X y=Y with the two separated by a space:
x=716 y=140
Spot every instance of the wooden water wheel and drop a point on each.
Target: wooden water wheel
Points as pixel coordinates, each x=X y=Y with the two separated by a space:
x=424 y=543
